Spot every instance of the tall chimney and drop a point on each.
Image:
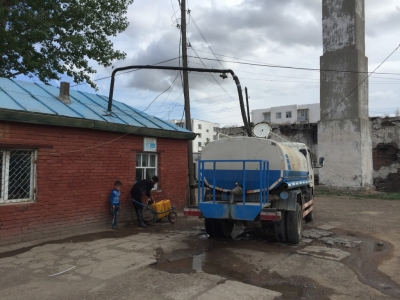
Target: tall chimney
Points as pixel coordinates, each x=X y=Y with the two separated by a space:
x=64 y=93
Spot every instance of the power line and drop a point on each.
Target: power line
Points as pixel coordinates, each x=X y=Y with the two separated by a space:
x=204 y=38
x=288 y=67
x=126 y=71
x=360 y=83
x=162 y=93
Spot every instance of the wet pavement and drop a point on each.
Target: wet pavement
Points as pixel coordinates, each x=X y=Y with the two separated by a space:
x=180 y=261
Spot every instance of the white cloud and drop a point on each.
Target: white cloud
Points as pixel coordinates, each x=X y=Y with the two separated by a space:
x=286 y=32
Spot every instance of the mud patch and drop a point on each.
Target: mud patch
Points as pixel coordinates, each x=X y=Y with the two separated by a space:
x=287 y=291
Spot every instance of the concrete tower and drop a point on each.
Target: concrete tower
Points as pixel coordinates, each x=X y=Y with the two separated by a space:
x=344 y=132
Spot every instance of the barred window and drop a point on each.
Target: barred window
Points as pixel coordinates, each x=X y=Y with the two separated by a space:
x=146 y=166
x=17 y=175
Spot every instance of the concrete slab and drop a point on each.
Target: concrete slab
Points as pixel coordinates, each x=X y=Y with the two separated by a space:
x=316 y=233
x=120 y=265
x=236 y=290
x=340 y=241
x=324 y=252
x=326 y=227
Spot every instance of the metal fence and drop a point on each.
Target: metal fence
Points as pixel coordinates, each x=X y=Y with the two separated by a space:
x=17 y=174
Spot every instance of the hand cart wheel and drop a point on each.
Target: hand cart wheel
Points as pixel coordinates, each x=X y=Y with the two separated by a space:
x=172 y=216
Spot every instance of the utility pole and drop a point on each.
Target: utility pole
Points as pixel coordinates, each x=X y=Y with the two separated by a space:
x=191 y=197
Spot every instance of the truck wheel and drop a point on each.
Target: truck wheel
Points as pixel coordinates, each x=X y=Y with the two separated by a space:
x=280 y=229
x=209 y=224
x=223 y=228
x=294 y=225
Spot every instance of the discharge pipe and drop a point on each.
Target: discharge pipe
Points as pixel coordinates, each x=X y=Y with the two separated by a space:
x=222 y=71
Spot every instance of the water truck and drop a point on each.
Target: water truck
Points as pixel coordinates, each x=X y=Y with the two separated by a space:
x=255 y=180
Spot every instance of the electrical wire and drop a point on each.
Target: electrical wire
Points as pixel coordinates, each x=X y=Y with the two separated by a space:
x=204 y=38
x=360 y=83
x=289 y=67
x=161 y=93
x=126 y=71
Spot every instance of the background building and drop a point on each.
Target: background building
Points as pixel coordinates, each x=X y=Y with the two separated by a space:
x=289 y=114
x=206 y=132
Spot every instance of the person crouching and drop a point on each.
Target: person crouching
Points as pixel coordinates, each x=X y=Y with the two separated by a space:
x=143 y=186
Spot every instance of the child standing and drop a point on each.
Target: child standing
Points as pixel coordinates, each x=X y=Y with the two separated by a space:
x=115 y=202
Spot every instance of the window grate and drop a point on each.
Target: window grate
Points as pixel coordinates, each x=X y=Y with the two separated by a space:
x=17 y=175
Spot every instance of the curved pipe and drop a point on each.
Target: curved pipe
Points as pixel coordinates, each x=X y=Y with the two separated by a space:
x=235 y=78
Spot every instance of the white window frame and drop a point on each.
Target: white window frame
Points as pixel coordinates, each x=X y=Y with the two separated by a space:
x=303 y=113
x=267 y=117
x=5 y=153
x=198 y=126
x=148 y=166
x=288 y=115
x=278 y=115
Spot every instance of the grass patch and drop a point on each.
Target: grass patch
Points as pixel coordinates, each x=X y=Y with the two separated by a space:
x=358 y=195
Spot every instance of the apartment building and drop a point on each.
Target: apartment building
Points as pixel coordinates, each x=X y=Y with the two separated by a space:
x=206 y=132
x=288 y=114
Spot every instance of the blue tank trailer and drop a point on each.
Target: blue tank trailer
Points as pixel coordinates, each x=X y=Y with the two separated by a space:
x=257 y=180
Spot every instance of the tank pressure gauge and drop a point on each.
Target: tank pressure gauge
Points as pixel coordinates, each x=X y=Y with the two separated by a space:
x=262 y=130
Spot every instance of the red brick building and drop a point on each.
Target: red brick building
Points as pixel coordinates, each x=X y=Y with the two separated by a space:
x=59 y=160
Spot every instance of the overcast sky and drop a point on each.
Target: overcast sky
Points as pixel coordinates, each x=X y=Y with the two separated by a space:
x=284 y=32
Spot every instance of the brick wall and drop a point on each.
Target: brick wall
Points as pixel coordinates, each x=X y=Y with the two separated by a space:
x=74 y=179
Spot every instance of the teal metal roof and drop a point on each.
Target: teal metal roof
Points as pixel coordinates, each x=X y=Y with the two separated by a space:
x=27 y=97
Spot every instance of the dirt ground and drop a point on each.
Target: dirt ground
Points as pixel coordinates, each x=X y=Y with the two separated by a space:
x=350 y=251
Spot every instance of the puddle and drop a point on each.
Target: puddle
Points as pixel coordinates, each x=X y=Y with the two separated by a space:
x=203 y=263
x=216 y=265
x=364 y=262
x=75 y=239
x=287 y=291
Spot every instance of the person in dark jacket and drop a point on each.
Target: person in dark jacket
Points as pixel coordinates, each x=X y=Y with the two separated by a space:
x=142 y=187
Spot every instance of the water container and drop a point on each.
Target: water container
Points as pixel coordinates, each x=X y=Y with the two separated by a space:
x=167 y=205
x=158 y=207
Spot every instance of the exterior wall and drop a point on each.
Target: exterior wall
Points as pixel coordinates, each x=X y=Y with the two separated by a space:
x=386 y=153
x=207 y=132
x=313 y=114
x=73 y=187
x=346 y=146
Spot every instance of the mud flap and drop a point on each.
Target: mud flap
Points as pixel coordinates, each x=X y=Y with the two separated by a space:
x=280 y=229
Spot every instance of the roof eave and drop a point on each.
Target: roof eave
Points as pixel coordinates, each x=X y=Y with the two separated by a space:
x=45 y=119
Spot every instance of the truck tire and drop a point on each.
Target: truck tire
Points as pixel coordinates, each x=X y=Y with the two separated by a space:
x=280 y=229
x=294 y=225
x=223 y=228
x=209 y=225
